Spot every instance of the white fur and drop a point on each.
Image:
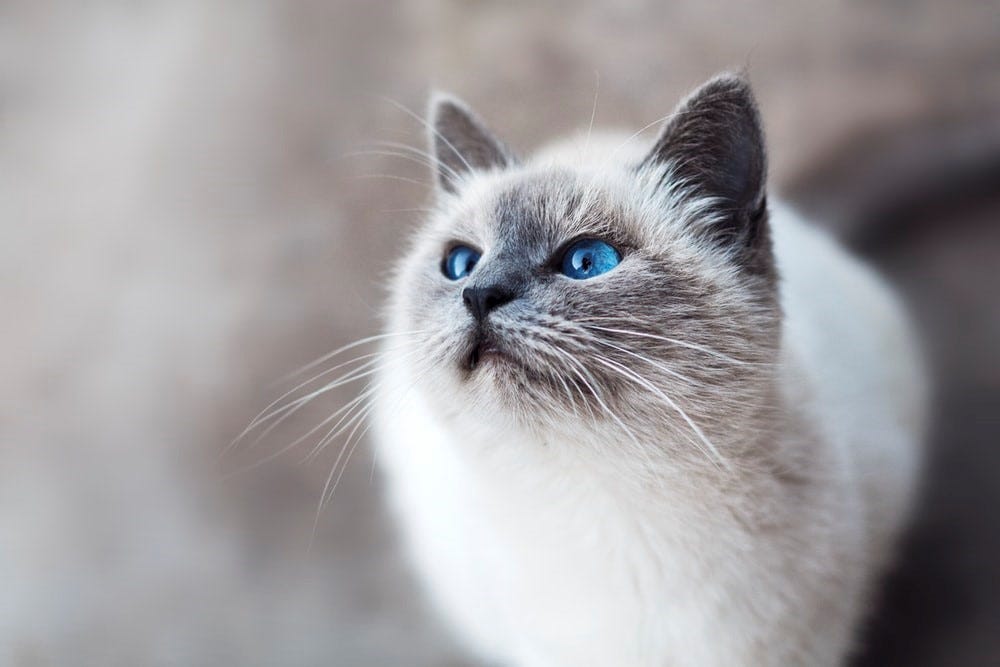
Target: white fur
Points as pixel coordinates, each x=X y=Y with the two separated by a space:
x=540 y=554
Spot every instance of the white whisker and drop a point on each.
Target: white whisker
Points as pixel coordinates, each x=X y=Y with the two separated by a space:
x=720 y=461
x=432 y=129
x=428 y=157
x=394 y=177
x=350 y=346
x=593 y=111
x=604 y=406
x=669 y=371
x=264 y=415
x=667 y=339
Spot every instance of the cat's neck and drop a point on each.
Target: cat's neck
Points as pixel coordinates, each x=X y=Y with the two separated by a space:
x=602 y=461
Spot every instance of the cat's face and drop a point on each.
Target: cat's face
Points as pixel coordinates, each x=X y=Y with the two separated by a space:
x=638 y=294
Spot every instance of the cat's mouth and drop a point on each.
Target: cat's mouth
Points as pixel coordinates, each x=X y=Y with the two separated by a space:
x=486 y=352
x=483 y=349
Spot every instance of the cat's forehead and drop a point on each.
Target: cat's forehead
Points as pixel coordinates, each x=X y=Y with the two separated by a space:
x=541 y=208
x=535 y=208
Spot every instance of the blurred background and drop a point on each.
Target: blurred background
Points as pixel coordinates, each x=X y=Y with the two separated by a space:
x=185 y=218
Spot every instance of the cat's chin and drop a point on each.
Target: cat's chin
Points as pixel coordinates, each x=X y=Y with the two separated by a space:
x=487 y=359
x=492 y=368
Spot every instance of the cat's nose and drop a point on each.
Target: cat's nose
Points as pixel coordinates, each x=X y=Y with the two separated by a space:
x=481 y=300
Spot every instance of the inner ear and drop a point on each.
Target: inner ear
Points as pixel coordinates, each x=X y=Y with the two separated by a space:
x=714 y=145
x=462 y=143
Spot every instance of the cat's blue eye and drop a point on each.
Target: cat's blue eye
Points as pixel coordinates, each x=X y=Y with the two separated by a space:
x=459 y=262
x=589 y=258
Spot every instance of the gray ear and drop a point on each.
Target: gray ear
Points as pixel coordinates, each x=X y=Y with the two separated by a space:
x=462 y=143
x=715 y=144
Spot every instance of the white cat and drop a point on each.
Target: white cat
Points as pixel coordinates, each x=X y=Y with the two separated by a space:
x=632 y=414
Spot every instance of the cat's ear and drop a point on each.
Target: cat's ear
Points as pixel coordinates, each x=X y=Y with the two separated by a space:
x=462 y=143
x=714 y=145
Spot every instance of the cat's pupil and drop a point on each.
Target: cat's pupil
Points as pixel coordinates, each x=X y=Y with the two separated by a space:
x=585 y=263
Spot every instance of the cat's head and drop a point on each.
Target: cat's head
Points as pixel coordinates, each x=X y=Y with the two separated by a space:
x=599 y=282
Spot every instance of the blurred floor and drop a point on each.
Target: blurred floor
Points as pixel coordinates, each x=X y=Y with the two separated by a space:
x=182 y=224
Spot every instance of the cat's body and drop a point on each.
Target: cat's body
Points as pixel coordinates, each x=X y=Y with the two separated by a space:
x=715 y=480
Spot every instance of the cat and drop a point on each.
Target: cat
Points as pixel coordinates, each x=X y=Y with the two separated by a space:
x=632 y=412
